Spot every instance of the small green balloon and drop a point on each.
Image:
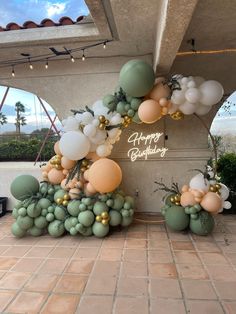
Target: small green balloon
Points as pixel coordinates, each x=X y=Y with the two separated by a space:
x=136 y=118
x=126 y=221
x=99 y=207
x=115 y=218
x=25 y=223
x=120 y=108
x=203 y=225
x=56 y=228
x=41 y=222
x=22 y=211
x=100 y=230
x=73 y=207
x=35 y=232
x=33 y=210
x=17 y=231
x=137 y=78
x=118 y=202
x=135 y=103
x=44 y=203
x=24 y=186
x=86 y=218
x=60 y=213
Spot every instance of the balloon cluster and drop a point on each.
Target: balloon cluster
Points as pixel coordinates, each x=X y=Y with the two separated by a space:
x=196 y=204
x=80 y=192
x=49 y=208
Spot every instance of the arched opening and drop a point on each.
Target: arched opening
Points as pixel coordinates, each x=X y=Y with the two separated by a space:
x=28 y=126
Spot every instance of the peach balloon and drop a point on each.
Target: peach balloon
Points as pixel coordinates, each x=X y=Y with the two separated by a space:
x=159 y=91
x=185 y=188
x=57 y=149
x=65 y=172
x=67 y=163
x=45 y=174
x=149 y=111
x=187 y=199
x=74 y=193
x=105 y=175
x=79 y=185
x=211 y=202
x=90 y=188
x=65 y=185
x=86 y=175
x=55 y=176
x=47 y=167
x=92 y=156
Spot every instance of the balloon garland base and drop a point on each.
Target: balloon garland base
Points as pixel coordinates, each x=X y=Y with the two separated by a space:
x=50 y=209
x=197 y=203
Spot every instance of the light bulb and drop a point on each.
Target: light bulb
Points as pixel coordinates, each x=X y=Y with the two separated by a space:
x=46 y=65
x=83 y=57
x=104 y=45
x=31 y=66
x=72 y=58
x=13 y=72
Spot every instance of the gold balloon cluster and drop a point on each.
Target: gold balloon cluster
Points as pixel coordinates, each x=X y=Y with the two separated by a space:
x=175 y=199
x=178 y=115
x=56 y=162
x=127 y=121
x=103 y=122
x=103 y=218
x=85 y=165
x=63 y=201
x=215 y=188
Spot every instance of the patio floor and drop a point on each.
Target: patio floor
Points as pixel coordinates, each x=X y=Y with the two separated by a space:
x=144 y=269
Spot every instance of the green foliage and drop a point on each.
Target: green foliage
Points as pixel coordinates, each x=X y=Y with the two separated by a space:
x=25 y=150
x=227 y=169
x=3 y=119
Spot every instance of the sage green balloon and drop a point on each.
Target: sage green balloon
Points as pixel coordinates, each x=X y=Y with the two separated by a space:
x=41 y=222
x=35 y=232
x=167 y=198
x=15 y=213
x=24 y=186
x=60 y=213
x=126 y=221
x=115 y=218
x=44 y=203
x=176 y=218
x=73 y=208
x=99 y=207
x=118 y=202
x=203 y=225
x=135 y=103
x=56 y=228
x=120 y=108
x=137 y=78
x=33 y=210
x=86 y=218
x=25 y=223
x=136 y=118
x=68 y=223
x=100 y=230
x=109 y=102
x=130 y=200
x=17 y=231
x=59 y=194
x=22 y=211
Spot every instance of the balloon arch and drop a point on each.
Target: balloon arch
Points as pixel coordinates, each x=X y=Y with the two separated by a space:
x=80 y=190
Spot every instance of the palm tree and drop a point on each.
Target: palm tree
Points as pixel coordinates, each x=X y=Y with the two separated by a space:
x=20 y=119
x=3 y=119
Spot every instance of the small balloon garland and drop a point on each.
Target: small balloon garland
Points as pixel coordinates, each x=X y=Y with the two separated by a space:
x=196 y=204
x=80 y=190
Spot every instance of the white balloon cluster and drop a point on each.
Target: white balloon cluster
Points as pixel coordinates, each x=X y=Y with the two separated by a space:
x=83 y=135
x=196 y=95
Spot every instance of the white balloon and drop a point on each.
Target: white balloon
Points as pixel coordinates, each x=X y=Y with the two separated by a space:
x=198 y=80
x=184 y=80
x=201 y=110
x=79 y=117
x=187 y=108
x=193 y=95
x=113 y=133
x=116 y=119
x=224 y=191
x=87 y=117
x=89 y=130
x=174 y=108
x=191 y=84
x=99 y=108
x=178 y=97
x=227 y=205
x=74 y=145
x=70 y=124
x=212 y=92
x=198 y=182
x=99 y=137
x=95 y=122
x=103 y=150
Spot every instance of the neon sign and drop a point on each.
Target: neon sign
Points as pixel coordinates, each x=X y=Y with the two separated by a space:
x=150 y=141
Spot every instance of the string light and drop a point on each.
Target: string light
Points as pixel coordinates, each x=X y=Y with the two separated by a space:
x=13 y=71
x=72 y=58
x=83 y=56
x=46 y=65
x=30 y=64
x=104 y=45
x=205 y=52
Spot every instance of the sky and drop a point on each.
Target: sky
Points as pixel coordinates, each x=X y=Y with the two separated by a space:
x=20 y=11
x=224 y=123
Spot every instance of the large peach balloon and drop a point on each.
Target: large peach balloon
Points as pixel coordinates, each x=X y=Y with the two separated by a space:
x=149 y=111
x=211 y=202
x=55 y=176
x=67 y=163
x=105 y=175
x=187 y=199
x=57 y=149
x=159 y=91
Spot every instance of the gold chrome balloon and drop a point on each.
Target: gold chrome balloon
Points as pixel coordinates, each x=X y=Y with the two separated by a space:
x=65 y=203
x=102 y=119
x=178 y=115
x=66 y=197
x=98 y=218
x=59 y=201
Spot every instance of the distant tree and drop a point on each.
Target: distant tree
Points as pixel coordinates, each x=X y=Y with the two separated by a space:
x=41 y=133
x=3 y=119
x=20 y=119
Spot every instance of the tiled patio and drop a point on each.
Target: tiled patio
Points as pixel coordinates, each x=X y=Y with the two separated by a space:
x=145 y=269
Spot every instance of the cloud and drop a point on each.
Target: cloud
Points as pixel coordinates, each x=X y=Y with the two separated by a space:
x=55 y=9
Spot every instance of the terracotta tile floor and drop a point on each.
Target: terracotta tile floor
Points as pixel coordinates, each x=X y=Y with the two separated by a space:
x=144 y=269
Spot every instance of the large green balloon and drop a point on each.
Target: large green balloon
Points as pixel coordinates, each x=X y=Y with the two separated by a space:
x=56 y=228
x=115 y=218
x=86 y=218
x=176 y=218
x=17 y=231
x=203 y=225
x=24 y=186
x=137 y=78
x=100 y=230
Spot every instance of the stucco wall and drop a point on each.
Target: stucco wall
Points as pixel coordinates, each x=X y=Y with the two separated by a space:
x=66 y=85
